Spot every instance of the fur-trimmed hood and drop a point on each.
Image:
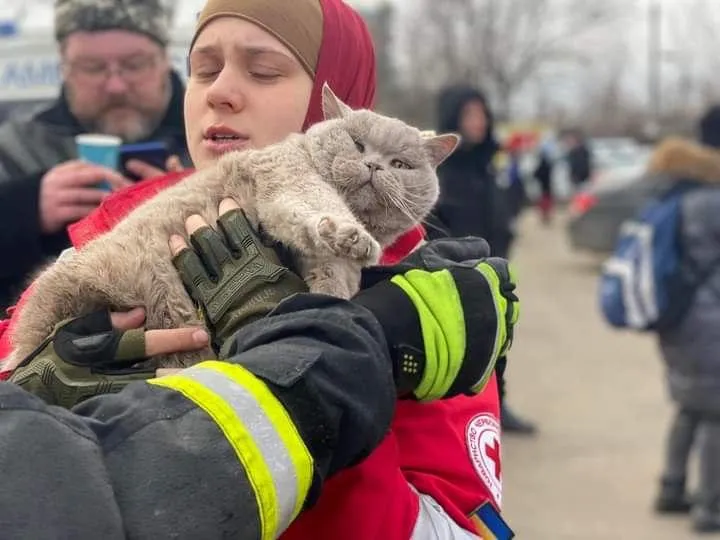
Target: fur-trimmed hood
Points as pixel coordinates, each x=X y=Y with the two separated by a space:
x=681 y=158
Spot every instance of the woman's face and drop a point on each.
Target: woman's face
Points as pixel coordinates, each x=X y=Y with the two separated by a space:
x=246 y=90
x=473 y=122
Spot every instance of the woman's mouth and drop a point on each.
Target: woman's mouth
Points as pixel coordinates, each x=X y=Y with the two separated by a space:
x=221 y=140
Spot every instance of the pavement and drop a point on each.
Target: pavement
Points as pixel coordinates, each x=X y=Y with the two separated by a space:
x=599 y=399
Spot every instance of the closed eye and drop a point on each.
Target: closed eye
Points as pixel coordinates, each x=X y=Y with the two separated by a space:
x=400 y=164
x=360 y=146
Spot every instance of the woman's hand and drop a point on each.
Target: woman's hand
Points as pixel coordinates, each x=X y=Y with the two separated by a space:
x=162 y=342
x=100 y=353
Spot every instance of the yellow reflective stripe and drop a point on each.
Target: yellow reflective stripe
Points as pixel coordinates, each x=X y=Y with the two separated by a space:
x=285 y=428
x=437 y=300
x=501 y=307
x=241 y=441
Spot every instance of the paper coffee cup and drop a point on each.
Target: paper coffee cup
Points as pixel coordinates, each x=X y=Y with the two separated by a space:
x=101 y=150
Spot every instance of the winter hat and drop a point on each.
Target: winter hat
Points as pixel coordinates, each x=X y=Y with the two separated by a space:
x=147 y=17
x=298 y=24
x=710 y=127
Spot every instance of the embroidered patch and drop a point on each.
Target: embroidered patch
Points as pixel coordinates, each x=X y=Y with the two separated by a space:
x=490 y=525
x=483 y=441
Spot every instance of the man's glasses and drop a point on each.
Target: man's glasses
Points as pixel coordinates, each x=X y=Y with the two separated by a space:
x=96 y=72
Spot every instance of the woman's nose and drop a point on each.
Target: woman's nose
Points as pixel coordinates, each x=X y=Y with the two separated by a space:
x=226 y=91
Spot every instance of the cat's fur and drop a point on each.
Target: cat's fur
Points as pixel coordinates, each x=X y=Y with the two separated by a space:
x=316 y=193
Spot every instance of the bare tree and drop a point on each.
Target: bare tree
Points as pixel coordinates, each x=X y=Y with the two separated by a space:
x=697 y=47
x=500 y=44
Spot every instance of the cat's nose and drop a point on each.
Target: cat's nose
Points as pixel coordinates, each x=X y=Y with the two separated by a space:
x=374 y=167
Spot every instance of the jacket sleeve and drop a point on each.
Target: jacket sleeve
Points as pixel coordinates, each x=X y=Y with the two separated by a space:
x=219 y=450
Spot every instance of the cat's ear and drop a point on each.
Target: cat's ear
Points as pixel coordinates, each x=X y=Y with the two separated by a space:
x=440 y=147
x=332 y=106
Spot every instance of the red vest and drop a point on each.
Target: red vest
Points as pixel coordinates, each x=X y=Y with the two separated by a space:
x=449 y=449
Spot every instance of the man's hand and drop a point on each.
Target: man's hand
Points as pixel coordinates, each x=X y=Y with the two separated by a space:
x=234 y=278
x=448 y=311
x=145 y=170
x=100 y=353
x=68 y=193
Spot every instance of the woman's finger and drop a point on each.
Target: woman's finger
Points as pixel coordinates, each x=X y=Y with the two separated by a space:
x=193 y=223
x=228 y=204
x=177 y=244
x=177 y=340
x=129 y=320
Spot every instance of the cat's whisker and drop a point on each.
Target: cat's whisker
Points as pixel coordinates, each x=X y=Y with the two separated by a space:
x=428 y=224
x=406 y=201
x=401 y=204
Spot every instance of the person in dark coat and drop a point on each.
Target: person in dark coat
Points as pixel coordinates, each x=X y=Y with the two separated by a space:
x=579 y=158
x=690 y=349
x=543 y=175
x=471 y=203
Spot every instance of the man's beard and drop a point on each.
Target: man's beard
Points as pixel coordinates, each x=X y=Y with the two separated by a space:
x=135 y=123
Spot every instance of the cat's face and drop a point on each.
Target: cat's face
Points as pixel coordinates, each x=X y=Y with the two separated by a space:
x=384 y=168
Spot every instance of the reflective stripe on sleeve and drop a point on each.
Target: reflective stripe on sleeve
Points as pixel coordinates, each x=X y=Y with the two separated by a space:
x=261 y=432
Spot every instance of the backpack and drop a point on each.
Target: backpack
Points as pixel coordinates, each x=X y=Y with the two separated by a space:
x=649 y=283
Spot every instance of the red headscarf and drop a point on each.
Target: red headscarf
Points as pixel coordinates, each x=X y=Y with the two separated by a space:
x=346 y=61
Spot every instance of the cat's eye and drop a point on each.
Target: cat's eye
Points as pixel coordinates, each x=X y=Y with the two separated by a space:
x=400 y=164
x=360 y=146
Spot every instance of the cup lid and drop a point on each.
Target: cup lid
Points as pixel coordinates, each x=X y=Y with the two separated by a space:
x=98 y=139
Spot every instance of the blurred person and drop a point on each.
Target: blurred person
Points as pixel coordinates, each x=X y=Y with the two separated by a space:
x=257 y=69
x=579 y=158
x=690 y=347
x=117 y=80
x=515 y=189
x=543 y=174
x=471 y=202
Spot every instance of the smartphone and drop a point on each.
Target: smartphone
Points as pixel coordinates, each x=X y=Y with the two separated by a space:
x=153 y=153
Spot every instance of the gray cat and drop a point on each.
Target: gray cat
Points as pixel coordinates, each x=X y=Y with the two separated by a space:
x=335 y=196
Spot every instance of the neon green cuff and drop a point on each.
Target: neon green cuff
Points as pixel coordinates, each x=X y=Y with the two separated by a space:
x=436 y=298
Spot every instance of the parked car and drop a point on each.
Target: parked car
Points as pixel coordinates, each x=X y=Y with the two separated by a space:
x=615 y=195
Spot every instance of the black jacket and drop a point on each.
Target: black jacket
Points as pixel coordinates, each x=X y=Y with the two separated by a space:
x=580 y=164
x=151 y=462
x=28 y=149
x=471 y=203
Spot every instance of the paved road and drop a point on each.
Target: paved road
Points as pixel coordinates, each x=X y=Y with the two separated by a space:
x=599 y=399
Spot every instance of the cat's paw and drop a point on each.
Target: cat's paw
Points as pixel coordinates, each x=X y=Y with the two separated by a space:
x=348 y=240
x=333 y=280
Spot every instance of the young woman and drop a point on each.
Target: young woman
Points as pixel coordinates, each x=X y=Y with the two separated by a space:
x=257 y=68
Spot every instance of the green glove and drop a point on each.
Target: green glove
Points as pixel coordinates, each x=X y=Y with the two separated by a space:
x=234 y=277
x=82 y=358
x=449 y=313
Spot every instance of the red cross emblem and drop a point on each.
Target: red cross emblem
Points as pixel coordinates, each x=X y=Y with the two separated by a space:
x=483 y=444
x=493 y=453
